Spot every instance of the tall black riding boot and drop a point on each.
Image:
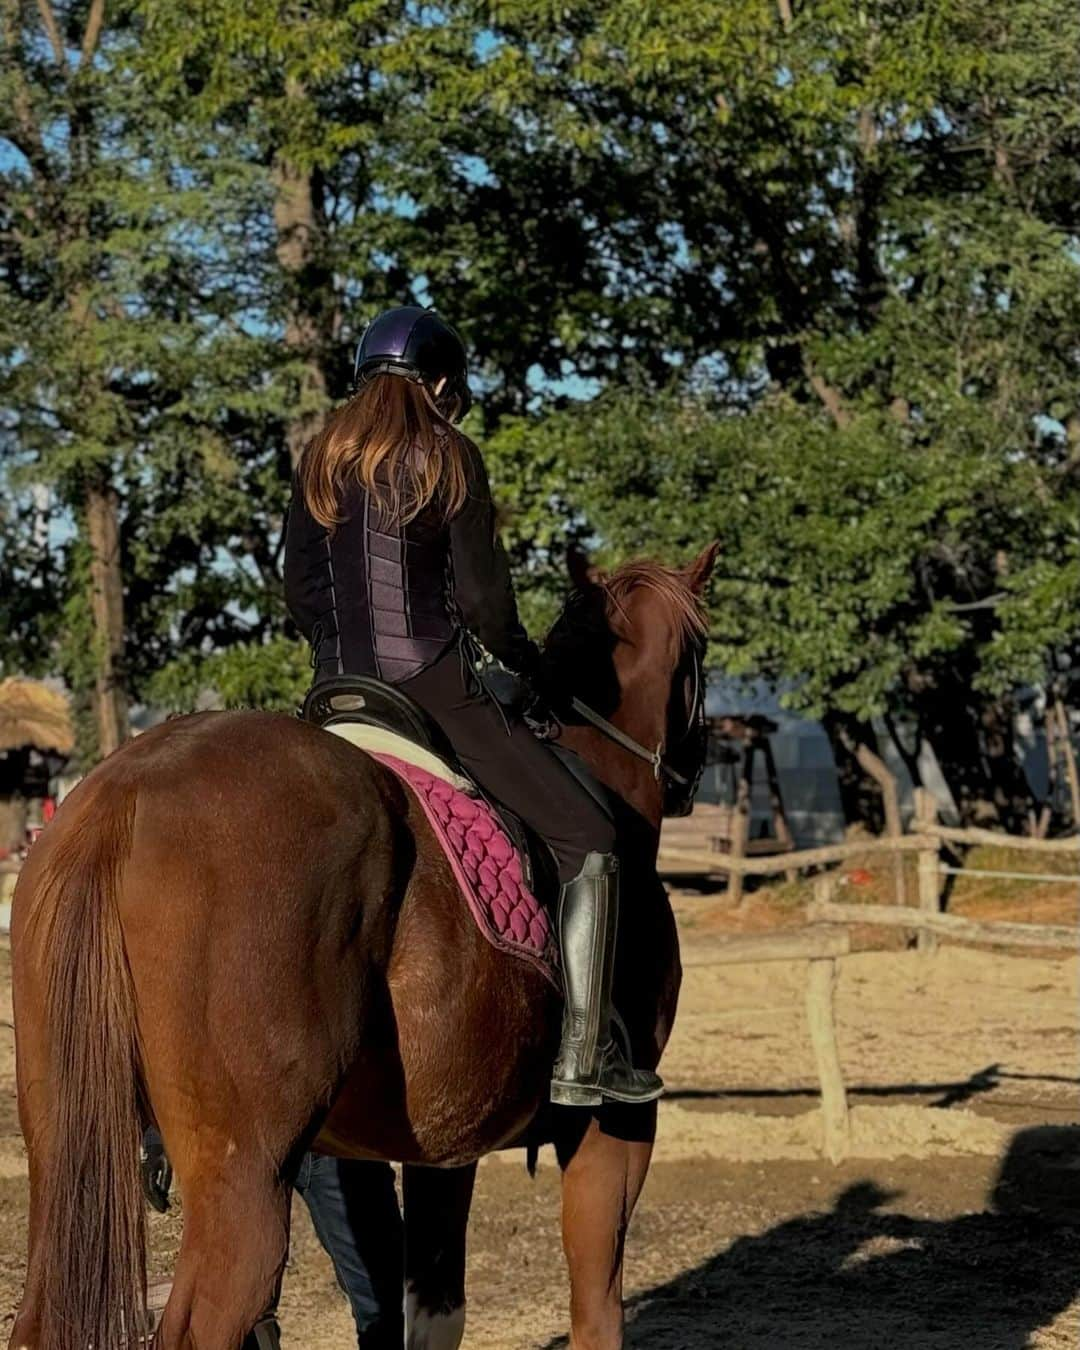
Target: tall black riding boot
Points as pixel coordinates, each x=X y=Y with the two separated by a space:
x=591 y=1066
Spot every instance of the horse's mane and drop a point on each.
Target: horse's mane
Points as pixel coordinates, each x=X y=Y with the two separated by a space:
x=579 y=644
x=688 y=614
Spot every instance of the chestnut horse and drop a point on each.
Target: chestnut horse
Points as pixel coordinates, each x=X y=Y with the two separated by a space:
x=242 y=929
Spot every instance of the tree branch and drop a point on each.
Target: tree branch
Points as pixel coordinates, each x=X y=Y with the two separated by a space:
x=52 y=28
x=26 y=137
x=26 y=134
x=829 y=395
x=91 y=36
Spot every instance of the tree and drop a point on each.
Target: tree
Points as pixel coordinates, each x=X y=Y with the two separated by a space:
x=133 y=396
x=801 y=276
x=876 y=354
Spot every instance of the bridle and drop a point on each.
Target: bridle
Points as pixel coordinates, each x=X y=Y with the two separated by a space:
x=680 y=788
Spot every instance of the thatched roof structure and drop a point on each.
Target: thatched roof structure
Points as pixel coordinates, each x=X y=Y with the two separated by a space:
x=32 y=714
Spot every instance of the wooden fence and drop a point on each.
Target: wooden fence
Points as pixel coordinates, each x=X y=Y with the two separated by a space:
x=827 y=938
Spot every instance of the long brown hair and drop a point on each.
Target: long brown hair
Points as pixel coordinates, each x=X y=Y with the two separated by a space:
x=392 y=438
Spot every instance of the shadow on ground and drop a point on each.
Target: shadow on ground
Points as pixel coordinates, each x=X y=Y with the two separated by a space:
x=863 y=1276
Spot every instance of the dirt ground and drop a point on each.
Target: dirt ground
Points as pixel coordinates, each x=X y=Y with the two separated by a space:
x=956 y=1224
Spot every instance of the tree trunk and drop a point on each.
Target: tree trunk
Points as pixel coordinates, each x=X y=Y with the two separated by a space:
x=879 y=771
x=1063 y=730
x=298 y=220
x=1013 y=797
x=107 y=607
x=953 y=723
x=860 y=795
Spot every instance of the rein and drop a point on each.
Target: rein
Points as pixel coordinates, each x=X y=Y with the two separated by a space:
x=679 y=788
x=660 y=767
x=612 y=732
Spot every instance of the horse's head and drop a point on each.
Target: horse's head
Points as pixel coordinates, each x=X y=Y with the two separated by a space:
x=630 y=645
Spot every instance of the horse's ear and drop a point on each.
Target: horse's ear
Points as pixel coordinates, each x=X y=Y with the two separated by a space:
x=583 y=573
x=700 y=570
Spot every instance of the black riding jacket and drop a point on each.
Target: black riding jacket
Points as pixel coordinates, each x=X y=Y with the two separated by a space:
x=378 y=598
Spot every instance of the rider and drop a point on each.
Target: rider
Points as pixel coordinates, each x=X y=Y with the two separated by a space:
x=393 y=568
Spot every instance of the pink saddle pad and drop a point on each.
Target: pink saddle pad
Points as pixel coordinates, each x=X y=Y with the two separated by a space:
x=487 y=868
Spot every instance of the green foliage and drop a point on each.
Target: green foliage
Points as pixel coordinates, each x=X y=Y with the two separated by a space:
x=875 y=392
x=852 y=559
x=122 y=364
x=805 y=281
x=269 y=675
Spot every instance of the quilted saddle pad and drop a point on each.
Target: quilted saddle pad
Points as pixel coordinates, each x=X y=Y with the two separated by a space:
x=486 y=865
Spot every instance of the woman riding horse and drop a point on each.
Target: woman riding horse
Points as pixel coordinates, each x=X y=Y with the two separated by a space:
x=303 y=974
x=393 y=568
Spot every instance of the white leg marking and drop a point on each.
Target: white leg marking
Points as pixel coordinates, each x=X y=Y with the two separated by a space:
x=425 y=1330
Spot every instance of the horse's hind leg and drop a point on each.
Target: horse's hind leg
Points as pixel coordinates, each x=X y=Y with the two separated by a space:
x=27 y=1331
x=236 y=1238
x=604 y=1166
x=437 y=1202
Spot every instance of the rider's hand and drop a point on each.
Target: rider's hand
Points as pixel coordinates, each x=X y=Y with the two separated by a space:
x=539 y=718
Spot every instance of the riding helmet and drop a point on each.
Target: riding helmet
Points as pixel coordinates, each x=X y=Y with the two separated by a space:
x=415 y=342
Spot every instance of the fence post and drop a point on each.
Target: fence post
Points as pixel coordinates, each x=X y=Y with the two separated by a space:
x=929 y=875
x=740 y=826
x=821 y=1016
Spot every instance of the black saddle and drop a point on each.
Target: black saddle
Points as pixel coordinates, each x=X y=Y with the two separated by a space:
x=363 y=698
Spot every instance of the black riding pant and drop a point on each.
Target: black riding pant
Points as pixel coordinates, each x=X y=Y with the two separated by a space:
x=512 y=765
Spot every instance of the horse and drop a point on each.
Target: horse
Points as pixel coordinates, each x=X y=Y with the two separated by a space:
x=242 y=930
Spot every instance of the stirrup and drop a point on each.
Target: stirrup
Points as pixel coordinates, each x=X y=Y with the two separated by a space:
x=613 y=1078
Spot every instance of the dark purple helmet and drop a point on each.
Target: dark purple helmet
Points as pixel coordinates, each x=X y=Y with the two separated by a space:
x=418 y=344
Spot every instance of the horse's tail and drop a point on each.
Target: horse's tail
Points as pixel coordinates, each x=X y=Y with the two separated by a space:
x=93 y=1232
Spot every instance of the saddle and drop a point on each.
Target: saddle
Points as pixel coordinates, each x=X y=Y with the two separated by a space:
x=340 y=701
x=500 y=865
x=379 y=718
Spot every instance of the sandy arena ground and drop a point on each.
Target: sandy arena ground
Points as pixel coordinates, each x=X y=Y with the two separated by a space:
x=957 y=1224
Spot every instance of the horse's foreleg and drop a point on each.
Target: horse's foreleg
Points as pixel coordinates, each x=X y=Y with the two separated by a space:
x=437 y=1202
x=604 y=1167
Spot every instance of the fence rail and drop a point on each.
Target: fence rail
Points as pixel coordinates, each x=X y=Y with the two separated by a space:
x=710 y=863
x=992 y=933
x=974 y=836
x=827 y=939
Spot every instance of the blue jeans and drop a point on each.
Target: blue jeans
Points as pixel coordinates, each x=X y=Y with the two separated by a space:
x=354 y=1208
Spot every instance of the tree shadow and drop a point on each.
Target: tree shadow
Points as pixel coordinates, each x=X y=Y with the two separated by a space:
x=947 y=1094
x=858 y=1276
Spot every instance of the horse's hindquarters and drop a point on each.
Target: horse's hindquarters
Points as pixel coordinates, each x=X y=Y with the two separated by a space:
x=458 y=1059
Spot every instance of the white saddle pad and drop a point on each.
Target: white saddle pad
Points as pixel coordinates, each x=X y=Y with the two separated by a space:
x=380 y=741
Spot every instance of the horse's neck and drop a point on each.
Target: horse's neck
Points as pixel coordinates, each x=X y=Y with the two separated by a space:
x=630 y=777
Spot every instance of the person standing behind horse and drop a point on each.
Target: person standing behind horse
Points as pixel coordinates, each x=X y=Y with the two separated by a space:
x=393 y=569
